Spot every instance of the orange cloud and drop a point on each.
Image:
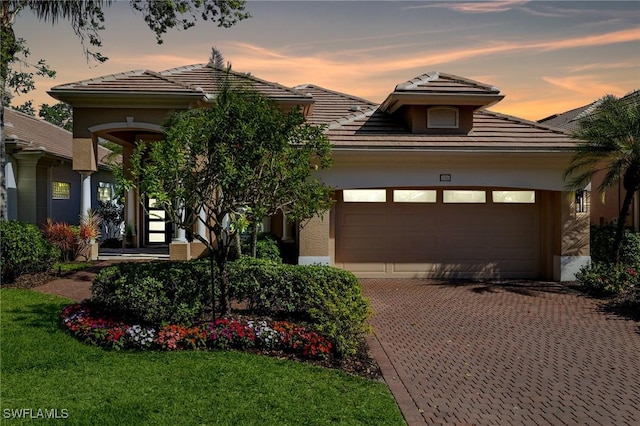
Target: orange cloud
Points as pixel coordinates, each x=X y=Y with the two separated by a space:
x=588 y=85
x=603 y=66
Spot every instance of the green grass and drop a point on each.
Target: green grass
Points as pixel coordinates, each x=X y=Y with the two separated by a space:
x=42 y=367
x=71 y=266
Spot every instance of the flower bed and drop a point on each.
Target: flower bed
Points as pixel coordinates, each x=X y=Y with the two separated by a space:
x=89 y=326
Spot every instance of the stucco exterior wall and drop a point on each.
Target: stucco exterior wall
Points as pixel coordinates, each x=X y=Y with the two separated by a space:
x=315 y=241
x=412 y=168
x=65 y=210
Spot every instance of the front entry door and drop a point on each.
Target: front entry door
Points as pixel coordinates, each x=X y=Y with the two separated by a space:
x=158 y=228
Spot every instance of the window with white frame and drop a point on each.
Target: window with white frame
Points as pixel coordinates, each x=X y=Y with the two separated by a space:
x=60 y=190
x=442 y=117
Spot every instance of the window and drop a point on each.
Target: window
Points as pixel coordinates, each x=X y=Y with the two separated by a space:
x=414 y=196
x=528 y=197
x=60 y=190
x=442 y=118
x=463 y=196
x=364 y=195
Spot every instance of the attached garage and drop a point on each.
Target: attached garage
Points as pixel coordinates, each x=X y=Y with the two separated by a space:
x=477 y=233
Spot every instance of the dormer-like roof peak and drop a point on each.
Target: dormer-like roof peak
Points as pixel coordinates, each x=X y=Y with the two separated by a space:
x=438 y=88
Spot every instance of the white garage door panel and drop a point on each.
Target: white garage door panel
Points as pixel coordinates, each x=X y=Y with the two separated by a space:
x=438 y=240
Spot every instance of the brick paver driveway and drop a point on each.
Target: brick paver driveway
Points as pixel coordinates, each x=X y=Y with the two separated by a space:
x=518 y=353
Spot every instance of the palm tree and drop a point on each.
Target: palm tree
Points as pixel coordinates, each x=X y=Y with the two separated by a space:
x=610 y=142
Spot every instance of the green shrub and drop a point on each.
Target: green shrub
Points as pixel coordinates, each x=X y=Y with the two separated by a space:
x=602 y=240
x=261 y=284
x=331 y=299
x=23 y=250
x=155 y=292
x=608 y=279
x=267 y=248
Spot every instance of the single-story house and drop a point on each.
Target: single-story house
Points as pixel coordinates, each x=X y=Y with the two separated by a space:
x=41 y=182
x=604 y=209
x=430 y=183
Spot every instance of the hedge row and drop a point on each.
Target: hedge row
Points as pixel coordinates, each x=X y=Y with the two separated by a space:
x=329 y=299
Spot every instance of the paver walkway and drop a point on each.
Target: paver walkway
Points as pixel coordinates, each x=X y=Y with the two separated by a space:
x=513 y=354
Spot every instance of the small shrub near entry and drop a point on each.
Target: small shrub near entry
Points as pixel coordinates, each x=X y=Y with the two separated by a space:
x=608 y=279
x=602 y=240
x=24 y=250
x=154 y=292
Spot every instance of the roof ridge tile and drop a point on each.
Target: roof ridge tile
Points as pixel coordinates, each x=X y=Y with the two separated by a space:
x=300 y=87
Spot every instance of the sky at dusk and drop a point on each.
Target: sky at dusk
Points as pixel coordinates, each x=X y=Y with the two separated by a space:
x=546 y=57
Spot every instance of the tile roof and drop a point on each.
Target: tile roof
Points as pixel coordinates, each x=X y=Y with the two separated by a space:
x=441 y=83
x=358 y=123
x=330 y=105
x=199 y=79
x=35 y=134
x=569 y=120
x=491 y=131
x=130 y=81
x=206 y=78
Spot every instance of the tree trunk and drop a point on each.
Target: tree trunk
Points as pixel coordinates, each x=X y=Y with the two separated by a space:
x=238 y=244
x=222 y=255
x=622 y=218
x=254 y=240
x=212 y=274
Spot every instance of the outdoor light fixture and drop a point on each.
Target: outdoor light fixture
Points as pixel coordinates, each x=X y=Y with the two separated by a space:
x=580 y=201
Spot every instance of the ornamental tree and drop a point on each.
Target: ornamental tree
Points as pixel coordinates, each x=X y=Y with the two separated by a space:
x=228 y=165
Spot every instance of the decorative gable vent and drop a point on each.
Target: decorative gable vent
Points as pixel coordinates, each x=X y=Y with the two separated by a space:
x=442 y=117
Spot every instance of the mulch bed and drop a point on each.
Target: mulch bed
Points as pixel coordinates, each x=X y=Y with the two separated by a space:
x=32 y=280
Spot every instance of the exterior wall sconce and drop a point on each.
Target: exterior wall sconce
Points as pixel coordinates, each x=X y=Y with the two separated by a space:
x=581 y=205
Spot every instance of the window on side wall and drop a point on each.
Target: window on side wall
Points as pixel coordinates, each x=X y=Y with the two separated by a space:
x=60 y=190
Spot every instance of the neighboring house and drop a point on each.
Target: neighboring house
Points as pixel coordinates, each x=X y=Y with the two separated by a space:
x=604 y=209
x=41 y=183
x=428 y=184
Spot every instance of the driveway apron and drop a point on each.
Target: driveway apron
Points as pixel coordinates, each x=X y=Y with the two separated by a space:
x=509 y=353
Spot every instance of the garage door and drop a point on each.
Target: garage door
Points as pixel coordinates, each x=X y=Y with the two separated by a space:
x=438 y=233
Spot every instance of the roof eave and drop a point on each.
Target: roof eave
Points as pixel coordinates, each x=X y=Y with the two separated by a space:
x=395 y=100
x=112 y=98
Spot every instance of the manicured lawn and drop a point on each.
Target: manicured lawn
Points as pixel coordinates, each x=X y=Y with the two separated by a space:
x=42 y=367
